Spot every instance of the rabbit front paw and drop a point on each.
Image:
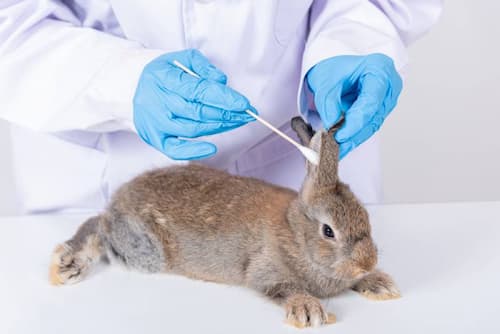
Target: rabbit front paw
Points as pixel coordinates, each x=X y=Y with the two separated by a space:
x=306 y=311
x=377 y=286
x=65 y=266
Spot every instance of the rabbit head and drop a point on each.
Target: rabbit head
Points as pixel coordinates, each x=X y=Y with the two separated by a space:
x=330 y=221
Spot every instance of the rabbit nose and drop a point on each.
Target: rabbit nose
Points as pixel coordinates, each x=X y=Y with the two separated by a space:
x=365 y=255
x=367 y=264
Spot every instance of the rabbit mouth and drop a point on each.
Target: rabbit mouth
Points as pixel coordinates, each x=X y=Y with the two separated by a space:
x=348 y=272
x=335 y=273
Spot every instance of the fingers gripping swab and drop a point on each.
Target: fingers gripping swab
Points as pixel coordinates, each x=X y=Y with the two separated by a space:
x=308 y=153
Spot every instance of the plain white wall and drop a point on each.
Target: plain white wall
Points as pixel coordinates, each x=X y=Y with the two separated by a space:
x=6 y=182
x=442 y=143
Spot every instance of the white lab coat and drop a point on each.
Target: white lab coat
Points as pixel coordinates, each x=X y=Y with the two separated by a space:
x=68 y=71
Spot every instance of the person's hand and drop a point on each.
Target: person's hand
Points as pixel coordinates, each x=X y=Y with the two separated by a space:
x=170 y=105
x=364 y=89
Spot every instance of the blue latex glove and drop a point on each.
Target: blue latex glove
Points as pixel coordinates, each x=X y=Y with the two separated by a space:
x=170 y=105
x=363 y=88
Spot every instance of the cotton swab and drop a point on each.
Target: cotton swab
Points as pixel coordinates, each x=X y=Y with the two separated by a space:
x=308 y=153
x=185 y=68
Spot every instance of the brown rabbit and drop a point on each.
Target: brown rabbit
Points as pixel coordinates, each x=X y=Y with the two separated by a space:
x=207 y=224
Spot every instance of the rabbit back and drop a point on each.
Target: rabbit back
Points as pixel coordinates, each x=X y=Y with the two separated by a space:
x=196 y=221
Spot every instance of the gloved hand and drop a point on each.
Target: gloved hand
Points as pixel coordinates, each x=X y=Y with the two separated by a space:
x=170 y=103
x=364 y=88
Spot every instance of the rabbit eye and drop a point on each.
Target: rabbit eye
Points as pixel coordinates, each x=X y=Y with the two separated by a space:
x=328 y=232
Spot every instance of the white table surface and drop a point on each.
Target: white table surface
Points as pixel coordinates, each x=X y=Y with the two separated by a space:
x=444 y=257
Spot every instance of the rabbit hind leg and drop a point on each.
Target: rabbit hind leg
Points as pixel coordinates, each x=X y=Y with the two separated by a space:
x=131 y=241
x=72 y=260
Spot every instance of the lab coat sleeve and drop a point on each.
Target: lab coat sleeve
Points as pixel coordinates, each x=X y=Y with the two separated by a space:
x=60 y=70
x=346 y=27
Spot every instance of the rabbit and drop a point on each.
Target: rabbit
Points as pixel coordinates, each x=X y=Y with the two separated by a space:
x=206 y=224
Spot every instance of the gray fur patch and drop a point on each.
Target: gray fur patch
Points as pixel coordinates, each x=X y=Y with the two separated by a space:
x=131 y=243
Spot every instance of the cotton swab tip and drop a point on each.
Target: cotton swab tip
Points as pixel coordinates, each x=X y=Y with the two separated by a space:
x=310 y=155
x=185 y=68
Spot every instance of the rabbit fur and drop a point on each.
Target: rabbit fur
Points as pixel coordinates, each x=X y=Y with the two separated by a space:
x=207 y=224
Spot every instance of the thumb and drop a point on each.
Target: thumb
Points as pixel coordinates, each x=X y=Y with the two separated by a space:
x=368 y=104
x=180 y=149
x=202 y=66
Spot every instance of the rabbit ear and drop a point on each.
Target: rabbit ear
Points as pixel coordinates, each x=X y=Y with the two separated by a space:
x=329 y=156
x=327 y=170
x=325 y=175
x=304 y=131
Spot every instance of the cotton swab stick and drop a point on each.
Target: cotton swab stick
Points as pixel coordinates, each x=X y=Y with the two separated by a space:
x=308 y=153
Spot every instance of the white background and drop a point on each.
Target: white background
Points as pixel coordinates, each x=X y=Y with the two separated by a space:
x=6 y=183
x=441 y=143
